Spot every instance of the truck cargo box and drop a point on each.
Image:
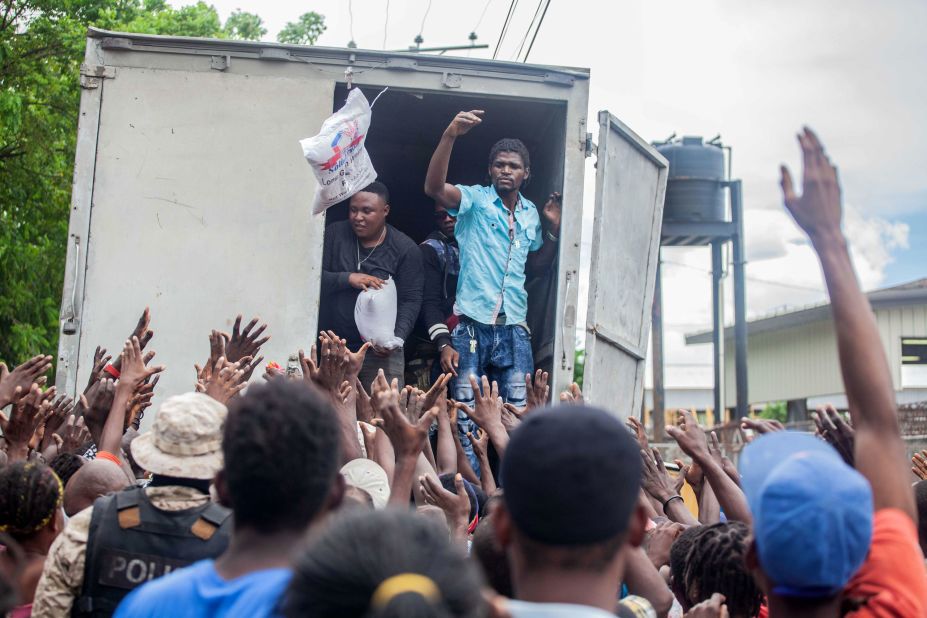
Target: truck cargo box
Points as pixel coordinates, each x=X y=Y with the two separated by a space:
x=191 y=196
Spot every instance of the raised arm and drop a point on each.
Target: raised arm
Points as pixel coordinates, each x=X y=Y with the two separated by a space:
x=879 y=452
x=436 y=186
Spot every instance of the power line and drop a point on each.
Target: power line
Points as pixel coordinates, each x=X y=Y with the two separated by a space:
x=351 y=22
x=505 y=27
x=424 y=17
x=524 y=39
x=386 y=24
x=483 y=14
x=794 y=286
x=536 y=30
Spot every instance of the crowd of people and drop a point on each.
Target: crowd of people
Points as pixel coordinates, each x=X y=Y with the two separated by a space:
x=338 y=491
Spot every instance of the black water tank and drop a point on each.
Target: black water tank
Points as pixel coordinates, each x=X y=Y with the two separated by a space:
x=693 y=187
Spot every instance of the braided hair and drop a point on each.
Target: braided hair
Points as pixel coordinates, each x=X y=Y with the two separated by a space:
x=30 y=495
x=716 y=564
x=65 y=465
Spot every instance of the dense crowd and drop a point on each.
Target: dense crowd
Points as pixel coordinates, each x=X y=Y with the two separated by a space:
x=335 y=490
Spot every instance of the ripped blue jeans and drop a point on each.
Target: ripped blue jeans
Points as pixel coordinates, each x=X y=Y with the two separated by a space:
x=500 y=352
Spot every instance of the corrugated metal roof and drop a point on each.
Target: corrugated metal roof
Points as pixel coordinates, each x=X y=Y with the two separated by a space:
x=912 y=292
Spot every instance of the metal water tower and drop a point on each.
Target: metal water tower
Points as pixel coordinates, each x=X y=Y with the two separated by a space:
x=696 y=213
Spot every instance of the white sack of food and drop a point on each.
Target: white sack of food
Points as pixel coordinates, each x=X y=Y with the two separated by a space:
x=337 y=154
x=375 y=315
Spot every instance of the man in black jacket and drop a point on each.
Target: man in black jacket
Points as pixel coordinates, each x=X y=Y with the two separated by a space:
x=362 y=253
x=441 y=263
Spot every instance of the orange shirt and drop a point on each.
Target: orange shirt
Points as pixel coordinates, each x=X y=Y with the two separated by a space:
x=893 y=581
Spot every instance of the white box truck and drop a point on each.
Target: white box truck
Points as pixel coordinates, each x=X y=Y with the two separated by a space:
x=191 y=196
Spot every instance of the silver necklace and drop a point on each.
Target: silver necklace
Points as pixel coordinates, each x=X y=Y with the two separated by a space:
x=357 y=245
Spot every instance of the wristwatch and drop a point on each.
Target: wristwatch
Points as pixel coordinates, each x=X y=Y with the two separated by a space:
x=551 y=236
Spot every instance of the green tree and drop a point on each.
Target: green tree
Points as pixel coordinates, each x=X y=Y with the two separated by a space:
x=41 y=49
x=245 y=26
x=579 y=366
x=305 y=31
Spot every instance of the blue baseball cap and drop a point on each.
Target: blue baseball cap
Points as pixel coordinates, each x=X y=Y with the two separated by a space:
x=812 y=513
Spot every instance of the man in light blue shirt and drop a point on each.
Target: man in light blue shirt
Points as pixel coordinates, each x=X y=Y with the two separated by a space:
x=499 y=232
x=281 y=456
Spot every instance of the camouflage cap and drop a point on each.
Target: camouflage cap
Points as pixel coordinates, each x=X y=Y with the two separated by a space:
x=185 y=440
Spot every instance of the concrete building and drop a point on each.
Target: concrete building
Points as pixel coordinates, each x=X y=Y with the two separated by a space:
x=793 y=355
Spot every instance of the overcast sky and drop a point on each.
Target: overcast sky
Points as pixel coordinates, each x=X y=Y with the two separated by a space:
x=754 y=72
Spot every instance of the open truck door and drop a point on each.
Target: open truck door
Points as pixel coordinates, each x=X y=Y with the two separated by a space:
x=630 y=185
x=192 y=199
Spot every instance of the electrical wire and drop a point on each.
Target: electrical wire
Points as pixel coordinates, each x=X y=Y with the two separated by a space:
x=536 y=30
x=351 y=19
x=748 y=277
x=386 y=24
x=482 y=15
x=505 y=27
x=524 y=39
x=424 y=17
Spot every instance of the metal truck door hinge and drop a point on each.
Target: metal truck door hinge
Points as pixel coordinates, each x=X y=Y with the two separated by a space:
x=590 y=146
x=92 y=75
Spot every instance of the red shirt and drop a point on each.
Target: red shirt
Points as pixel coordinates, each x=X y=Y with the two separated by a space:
x=892 y=583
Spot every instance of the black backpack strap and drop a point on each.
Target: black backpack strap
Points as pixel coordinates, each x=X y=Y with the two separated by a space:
x=210 y=521
x=128 y=511
x=216 y=514
x=128 y=498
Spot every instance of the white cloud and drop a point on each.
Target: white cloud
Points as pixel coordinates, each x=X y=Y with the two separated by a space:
x=754 y=72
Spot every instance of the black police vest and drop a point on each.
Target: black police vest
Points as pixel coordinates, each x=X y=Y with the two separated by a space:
x=132 y=542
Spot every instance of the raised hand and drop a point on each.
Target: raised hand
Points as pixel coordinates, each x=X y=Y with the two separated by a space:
x=487 y=410
x=760 y=426
x=411 y=401
x=655 y=480
x=919 y=465
x=22 y=377
x=511 y=417
x=216 y=351
x=480 y=443
x=552 y=210
x=61 y=408
x=100 y=360
x=329 y=373
x=437 y=394
x=689 y=436
x=463 y=122
x=95 y=405
x=227 y=382
x=831 y=427
x=817 y=210
x=31 y=410
x=572 y=396
x=407 y=438
x=658 y=542
x=637 y=428
x=456 y=507
x=538 y=390
x=142 y=332
x=75 y=436
x=710 y=608
x=245 y=341
x=134 y=365
x=355 y=360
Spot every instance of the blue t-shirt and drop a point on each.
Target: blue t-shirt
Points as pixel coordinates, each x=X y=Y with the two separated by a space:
x=199 y=591
x=493 y=253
